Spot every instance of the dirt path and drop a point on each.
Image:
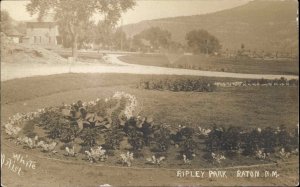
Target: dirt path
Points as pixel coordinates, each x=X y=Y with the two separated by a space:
x=13 y=71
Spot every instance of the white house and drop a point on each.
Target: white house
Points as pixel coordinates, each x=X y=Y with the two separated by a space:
x=42 y=32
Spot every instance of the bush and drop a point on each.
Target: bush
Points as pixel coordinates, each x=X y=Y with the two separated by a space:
x=162 y=139
x=113 y=138
x=68 y=133
x=183 y=134
x=188 y=148
x=88 y=136
x=231 y=140
x=214 y=141
x=251 y=142
x=269 y=139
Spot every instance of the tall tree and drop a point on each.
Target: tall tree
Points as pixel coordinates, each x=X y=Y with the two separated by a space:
x=104 y=31
x=157 y=37
x=6 y=22
x=75 y=15
x=201 y=41
x=120 y=39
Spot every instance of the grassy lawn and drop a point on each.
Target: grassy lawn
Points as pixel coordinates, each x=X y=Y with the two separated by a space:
x=240 y=106
x=216 y=64
x=237 y=106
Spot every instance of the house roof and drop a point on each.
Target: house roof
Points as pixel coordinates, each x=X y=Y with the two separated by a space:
x=49 y=17
x=14 y=32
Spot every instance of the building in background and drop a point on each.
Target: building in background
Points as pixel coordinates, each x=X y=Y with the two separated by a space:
x=14 y=36
x=42 y=32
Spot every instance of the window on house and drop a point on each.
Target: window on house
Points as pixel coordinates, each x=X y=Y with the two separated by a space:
x=49 y=39
x=40 y=39
x=35 y=39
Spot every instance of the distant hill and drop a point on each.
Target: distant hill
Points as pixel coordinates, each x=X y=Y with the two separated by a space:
x=260 y=25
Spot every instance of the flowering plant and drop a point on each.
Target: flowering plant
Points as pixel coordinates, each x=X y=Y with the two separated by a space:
x=127 y=158
x=218 y=157
x=154 y=160
x=96 y=154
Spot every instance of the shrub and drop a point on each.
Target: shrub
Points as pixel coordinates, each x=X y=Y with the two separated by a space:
x=162 y=139
x=188 y=148
x=113 y=138
x=68 y=133
x=88 y=136
x=231 y=139
x=269 y=139
x=136 y=139
x=55 y=131
x=214 y=139
x=252 y=142
x=183 y=134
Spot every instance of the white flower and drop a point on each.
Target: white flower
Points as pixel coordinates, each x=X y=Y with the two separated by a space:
x=186 y=160
x=95 y=154
x=283 y=154
x=218 y=157
x=130 y=106
x=261 y=155
x=46 y=147
x=11 y=130
x=204 y=131
x=127 y=158
x=154 y=160
x=259 y=130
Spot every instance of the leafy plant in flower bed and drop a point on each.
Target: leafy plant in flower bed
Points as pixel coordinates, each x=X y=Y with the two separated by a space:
x=113 y=138
x=214 y=140
x=138 y=132
x=88 y=136
x=268 y=139
x=251 y=142
x=188 y=148
x=184 y=133
x=48 y=119
x=231 y=140
x=162 y=139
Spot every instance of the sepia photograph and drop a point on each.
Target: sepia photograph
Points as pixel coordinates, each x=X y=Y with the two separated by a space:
x=149 y=93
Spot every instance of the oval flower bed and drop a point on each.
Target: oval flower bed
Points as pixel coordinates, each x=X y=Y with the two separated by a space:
x=110 y=131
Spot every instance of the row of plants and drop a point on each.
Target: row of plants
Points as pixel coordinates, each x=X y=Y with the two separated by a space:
x=106 y=120
x=179 y=84
x=201 y=85
x=260 y=82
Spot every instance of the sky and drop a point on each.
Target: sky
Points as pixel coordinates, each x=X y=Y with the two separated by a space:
x=144 y=9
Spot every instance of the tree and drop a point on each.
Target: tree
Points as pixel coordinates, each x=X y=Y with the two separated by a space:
x=201 y=41
x=104 y=32
x=74 y=15
x=120 y=40
x=157 y=37
x=6 y=22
